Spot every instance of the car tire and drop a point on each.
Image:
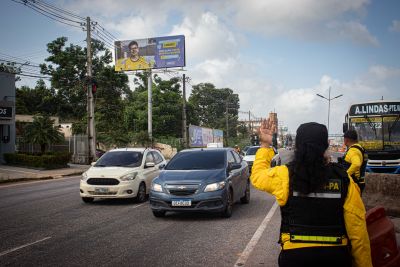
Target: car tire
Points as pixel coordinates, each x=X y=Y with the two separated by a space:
x=87 y=199
x=141 y=194
x=227 y=213
x=158 y=213
x=246 y=198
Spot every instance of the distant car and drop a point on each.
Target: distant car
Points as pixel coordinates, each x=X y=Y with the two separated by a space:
x=210 y=179
x=250 y=156
x=209 y=145
x=122 y=173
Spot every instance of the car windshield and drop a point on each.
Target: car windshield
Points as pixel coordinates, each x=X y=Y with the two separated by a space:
x=197 y=160
x=120 y=158
x=252 y=150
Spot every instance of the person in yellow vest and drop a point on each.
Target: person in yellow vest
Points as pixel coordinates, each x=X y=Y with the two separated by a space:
x=322 y=213
x=134 y=62
x=355 y=159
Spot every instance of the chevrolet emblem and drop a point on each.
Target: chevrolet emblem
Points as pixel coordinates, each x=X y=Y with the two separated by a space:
x=181 y=187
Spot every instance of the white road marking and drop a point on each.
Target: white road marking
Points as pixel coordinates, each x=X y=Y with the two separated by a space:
x=17 y=183
x=23 y=246
x=137 y=206
x=254 y=240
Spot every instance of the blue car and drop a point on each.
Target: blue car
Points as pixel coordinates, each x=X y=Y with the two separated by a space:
x=210 y=179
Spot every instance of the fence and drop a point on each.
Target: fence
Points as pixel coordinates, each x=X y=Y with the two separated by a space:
x=76 y=145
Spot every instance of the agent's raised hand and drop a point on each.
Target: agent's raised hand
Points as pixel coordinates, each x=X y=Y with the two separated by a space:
x=266 y=132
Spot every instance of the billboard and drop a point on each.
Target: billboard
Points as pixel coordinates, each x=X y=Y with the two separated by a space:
x=200 y=136
x=150 y=53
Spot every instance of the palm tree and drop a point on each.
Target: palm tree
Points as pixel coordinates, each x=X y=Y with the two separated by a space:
x=43 y=132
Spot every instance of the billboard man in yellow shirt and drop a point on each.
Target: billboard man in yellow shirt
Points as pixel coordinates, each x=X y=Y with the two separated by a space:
x=134 y=62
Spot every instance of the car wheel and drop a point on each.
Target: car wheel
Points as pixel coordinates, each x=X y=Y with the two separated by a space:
x=227 y=213
x=159 y=213
x=87 y=199
x=246 y=198
x=141 y=195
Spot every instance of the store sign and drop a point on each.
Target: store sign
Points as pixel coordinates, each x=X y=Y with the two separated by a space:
x=6 y=112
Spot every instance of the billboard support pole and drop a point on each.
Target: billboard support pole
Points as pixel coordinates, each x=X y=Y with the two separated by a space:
x=184 y=127
x=150 y=107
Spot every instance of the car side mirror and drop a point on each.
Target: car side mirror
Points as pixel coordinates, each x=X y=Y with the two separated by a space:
x=149 y=165
x=161 y=166
x=345 y=127
x=93 y=163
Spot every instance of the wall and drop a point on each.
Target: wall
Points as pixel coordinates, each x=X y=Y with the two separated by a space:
x=7 y=114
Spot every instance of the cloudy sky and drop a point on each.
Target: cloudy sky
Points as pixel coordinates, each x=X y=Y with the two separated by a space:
x=277 y=55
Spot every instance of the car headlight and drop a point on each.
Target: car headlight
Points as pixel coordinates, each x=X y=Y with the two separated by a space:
x=84 y=176
x=128 y=177
x=156 y=187
x=214 y=186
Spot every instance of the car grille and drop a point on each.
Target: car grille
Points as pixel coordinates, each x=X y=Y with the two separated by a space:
x=182 y=189
x=102 y=181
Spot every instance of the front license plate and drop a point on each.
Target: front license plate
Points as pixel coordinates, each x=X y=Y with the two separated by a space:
x=101 y=190
x=181 y=203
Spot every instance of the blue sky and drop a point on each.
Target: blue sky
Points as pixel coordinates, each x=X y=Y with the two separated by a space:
x=277 y=55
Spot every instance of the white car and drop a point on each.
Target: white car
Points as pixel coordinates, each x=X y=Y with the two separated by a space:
x=250 y=156
x=122 y=173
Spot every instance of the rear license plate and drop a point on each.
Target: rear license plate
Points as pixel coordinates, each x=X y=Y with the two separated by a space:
x=181 y=203
x=101 y=190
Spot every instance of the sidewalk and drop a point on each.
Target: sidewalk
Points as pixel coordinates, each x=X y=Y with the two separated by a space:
x=14 y=174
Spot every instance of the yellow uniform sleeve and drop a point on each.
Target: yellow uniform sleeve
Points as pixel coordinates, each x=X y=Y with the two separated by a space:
x=272 y=180
x=355 y=158
x=354 y=219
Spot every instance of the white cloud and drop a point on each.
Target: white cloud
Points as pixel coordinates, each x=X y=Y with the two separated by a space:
x=309 y=19
x=381 y=72
x=354 y=31
x=207 y=37
x=395 y=27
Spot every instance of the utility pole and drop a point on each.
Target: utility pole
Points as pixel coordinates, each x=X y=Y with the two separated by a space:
x=227 y=123
x=150 y=107
x=90 y=103
x=184 y=128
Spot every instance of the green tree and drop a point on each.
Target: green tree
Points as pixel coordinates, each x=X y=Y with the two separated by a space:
x=43 y=132
x=167 y=106
x=212 y=106
x=38 y=100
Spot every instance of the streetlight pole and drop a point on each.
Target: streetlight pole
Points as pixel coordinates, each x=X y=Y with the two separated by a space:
x=329 y=102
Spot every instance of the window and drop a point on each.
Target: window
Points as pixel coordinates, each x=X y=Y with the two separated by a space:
x=198 y=160
x=149 y=157
x=157 y=157
x=237 y=157
x=231 y=159
x=120 y=158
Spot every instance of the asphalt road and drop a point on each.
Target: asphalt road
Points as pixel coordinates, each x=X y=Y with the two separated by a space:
x=46 y=224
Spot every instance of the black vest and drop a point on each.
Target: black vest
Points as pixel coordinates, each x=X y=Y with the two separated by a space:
x=317 y=217
x=346 y=165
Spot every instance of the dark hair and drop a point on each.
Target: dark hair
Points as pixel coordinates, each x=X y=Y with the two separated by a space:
x=308 y=168
x=133 y=43
x=351 y=134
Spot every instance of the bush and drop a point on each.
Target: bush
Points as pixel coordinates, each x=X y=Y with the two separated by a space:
x=45 y=161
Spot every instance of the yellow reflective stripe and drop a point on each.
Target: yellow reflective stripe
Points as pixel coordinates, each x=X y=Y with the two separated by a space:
x=323 y=239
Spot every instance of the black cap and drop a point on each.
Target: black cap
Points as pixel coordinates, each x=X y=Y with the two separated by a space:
x=312 y=133
x=351 y=134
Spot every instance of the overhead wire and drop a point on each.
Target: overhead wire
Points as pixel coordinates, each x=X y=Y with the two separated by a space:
x=44 y=14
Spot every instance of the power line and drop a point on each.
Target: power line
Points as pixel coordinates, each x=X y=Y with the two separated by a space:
x=60 y=10
x=49 y=14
